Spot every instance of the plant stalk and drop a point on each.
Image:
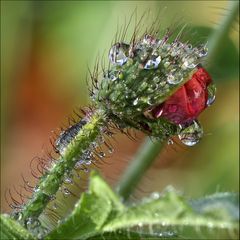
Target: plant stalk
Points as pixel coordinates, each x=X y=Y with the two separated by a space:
x=216 y=40
x=52 y=180
x=147 y=153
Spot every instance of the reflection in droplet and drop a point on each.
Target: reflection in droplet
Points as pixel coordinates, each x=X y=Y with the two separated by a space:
x=211 y=94
x=189 y=62
x=174 y=78
x=135 y=102
x=152 y=63
x=66 y=192
x=191 y=134
x=117 y=54
x=202 y=51
x=68 y=180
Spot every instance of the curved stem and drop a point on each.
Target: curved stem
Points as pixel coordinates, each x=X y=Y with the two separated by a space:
x=150 y=150
x=216 y=40
x=147 y=153
x=50 y=182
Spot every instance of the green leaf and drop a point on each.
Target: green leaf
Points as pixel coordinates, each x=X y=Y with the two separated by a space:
x=10 y=229
x=90 y=213
x=225 y=64
x=100 y=213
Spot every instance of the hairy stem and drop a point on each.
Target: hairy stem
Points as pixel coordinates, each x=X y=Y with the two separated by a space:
x=50 y=182
x=150 y=150
x=147 y=153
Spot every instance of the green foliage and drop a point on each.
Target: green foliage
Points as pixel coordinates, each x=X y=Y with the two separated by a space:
x=100 y=212
x=11 y=229
x=226 y=61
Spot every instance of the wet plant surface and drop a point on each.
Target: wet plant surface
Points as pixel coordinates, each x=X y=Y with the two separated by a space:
x=155 y=82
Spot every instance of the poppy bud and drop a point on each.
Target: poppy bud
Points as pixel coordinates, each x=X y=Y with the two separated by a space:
x=188 y=101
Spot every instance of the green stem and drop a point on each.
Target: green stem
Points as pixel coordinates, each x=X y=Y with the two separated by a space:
x=50 y=182
x=150 y=150
x=216 y=40
x=145 y=156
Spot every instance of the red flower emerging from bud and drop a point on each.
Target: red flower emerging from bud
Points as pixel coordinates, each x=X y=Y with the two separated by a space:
x=188 y=102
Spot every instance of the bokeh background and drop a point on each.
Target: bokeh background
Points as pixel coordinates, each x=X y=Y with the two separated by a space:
x=46 y=47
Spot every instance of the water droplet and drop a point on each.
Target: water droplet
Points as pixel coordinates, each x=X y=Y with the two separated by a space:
x=32 y=223
x=155 y=195
x=117 y=54
x=156 y=79
x=140 y=224
x=88 y=161
x=101 y=154
x=202 y=51
x=191 y=134
x=110 y=150
x=68 y=180
x=65 y=191
x=135 y=102
x=113 y=77
x=211 y=94
x=189 y=62
x=174 y=78
x=170 y=141
x=55 y=206
x=153 y=63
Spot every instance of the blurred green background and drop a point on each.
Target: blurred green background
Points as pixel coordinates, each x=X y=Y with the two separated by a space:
x=46 y=47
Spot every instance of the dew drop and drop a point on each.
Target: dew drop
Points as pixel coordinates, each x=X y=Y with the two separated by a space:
x=156 y=79
x=174 y=78
x=113 y=77
x=88 y=161
x=110 y=150
x=153 y=63
x=191 y=134
x=55 y=206
x=66 y=192
x=68 y=180
x=155 y=195
x=189 y=62
x=140 y=224
x=211 y=94
x=202 y=51
x=135 y=102
x=117 y=54
x=101 y=154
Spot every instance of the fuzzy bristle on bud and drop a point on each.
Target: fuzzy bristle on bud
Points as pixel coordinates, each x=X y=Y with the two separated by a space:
x=147 y=75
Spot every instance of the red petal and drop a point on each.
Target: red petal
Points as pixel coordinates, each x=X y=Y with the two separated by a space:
x=188 y=102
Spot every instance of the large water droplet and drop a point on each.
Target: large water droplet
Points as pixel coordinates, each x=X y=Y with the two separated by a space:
x=191 y=134
x=117 y=54
x=153 y=62
x=211 y=94
x=174 y=78
x=190 y=62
